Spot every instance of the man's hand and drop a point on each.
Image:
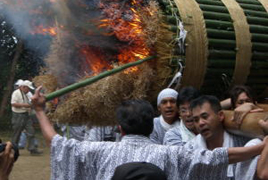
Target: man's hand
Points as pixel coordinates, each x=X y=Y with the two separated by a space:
x=264 y=126
x=38 y=100
x=6 y=161
x=241 y=111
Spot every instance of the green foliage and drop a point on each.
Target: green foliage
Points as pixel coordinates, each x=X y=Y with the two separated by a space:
x=27 y=67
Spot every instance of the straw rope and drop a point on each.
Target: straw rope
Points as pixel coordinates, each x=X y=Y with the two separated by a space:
x=196 y=43
x=243 y=42
x=265 y=4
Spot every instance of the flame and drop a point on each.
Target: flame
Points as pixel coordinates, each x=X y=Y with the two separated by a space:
x=44 y=31
x=94 y=60
x=130 y=31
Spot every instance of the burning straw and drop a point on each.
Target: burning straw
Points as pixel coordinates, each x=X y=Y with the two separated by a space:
x=96 y=104
x=94 y=79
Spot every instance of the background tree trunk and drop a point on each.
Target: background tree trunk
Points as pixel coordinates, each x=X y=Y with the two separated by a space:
x=10 y=81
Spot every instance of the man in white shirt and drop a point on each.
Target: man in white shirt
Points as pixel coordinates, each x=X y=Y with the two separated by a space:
x=208 y=119
x=169 y=118
x=21 y=108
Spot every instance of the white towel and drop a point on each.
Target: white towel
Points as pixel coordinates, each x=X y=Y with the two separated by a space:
x=186 y=135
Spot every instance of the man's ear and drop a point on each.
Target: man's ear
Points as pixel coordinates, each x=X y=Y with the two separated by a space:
x=158 y=108
x=221 y=115
x=122 y=132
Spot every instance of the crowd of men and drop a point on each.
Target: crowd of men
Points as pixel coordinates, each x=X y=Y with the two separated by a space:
x=187 y=140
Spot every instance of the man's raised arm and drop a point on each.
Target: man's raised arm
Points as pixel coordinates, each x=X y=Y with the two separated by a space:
x=38 y=101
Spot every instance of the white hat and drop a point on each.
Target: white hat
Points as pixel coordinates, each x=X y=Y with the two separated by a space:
x=166 y=93
x=28 y=84
x=18 y=83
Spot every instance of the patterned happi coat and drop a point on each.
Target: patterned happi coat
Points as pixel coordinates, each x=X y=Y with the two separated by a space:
x=229 y=140
x=74 y=160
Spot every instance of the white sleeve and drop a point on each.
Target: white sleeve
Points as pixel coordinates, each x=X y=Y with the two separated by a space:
x=246 y=169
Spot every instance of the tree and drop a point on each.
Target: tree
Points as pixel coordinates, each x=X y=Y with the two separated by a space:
x=16 y=62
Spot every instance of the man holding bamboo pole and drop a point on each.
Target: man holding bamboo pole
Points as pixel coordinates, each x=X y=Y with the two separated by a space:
x=71 y=159
x=208 y=119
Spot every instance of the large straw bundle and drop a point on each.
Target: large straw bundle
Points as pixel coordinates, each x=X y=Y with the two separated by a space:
x=96 y=104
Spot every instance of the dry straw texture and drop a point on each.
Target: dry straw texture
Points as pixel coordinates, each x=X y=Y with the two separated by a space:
x=96 y=104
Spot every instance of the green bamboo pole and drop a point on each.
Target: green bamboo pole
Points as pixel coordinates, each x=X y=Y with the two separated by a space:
x=91 y=80
x=220 y=71
x=260 y=64
x=209 y=2
x=258 y=29
x=166 y=3
x=256 y=13
x=260 y=46
x=217 y=16
x=221 y=9
x=231 y=62
x=173 y=28
x=258 y=86
x=222 y=54
x=248 y=2
x=257 y=20
x=172 y=9
x=171 y=19
x=259 y=80
x=223 y=63
x=258 y=72
x=259 y=37
x=211 y=82
x=216 y=33
x=222 y=43
x=252 y=7
x=253 y=81
x=259 y=56
x=219 y=24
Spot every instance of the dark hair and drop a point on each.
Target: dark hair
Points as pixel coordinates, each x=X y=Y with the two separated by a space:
x=237 y=90
x=187 y=94
x=136 y=117
x=138 y=171
x=212 y=100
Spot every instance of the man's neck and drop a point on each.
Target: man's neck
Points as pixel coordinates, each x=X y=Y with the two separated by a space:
x=216 y=141
x=169 y=120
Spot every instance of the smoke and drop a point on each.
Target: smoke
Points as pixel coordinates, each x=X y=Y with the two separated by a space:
x=59 y=29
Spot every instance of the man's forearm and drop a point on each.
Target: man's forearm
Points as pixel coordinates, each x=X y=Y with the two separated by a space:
x=47 y=128
x=20 y=105
x=238 y=154
x=262 y=167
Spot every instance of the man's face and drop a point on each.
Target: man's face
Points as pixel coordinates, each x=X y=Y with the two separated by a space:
x=25 y=89
x=206 y=121
x=186 y=116
x=168 y=108
x=242 y=98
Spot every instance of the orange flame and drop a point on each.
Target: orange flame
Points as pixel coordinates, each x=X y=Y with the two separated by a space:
x=94 y=61
x=128 y=31
x=45 y=31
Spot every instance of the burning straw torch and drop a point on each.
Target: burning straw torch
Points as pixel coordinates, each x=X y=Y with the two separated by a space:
x=91 y=80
